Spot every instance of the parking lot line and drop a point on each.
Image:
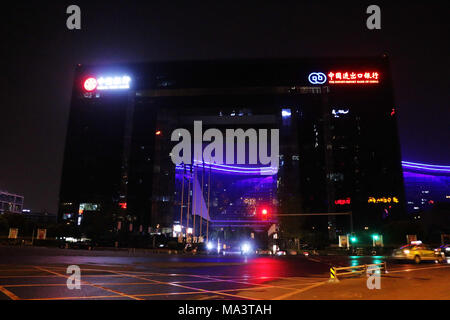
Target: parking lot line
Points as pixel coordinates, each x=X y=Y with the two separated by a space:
x=9 y=294
x=97 y=286
x=417 y=269
x=186 y=287
x=290 y=294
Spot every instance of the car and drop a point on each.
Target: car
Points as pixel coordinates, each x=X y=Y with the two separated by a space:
x=264 y=252
x=443 y=252
x=415 y=252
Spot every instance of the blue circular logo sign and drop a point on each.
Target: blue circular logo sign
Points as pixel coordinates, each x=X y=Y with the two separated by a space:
x=317 y=78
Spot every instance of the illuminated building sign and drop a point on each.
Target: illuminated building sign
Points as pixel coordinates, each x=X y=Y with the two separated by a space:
x=90 y=84
x=338 y=112
x=383 y=200
x=342 y=201
x=123 y=205
x=345 y=76
x=107 y=83
x=317 y=78
x=286 y=113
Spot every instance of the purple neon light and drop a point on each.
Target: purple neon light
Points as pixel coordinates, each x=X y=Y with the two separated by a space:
x=226 y=166
x=426 y=169
x=260 y=170
x=425 y=165
x=234 y=169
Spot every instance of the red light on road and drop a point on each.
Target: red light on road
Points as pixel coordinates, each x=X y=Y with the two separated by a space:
x=90 y=84
x=264 y=211
x=158 y=133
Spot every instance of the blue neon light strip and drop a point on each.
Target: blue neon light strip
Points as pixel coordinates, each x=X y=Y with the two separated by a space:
x=226 y=166
x=426 y=167
x=272 y=170
x=242 y=171
x=232 y=169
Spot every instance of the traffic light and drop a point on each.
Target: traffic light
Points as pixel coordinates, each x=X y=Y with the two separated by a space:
x=375 y=237
x=353 y=239
x=264 y=213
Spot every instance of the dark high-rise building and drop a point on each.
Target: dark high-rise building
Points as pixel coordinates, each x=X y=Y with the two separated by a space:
x=338 y=144
x=425 y=186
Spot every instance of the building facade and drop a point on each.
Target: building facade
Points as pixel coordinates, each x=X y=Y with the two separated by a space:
x=11 y=202
x=425 y=186
x=338 y=145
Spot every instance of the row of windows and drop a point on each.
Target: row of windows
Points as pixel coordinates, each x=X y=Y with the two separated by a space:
x=8 y=206
x=10 y=198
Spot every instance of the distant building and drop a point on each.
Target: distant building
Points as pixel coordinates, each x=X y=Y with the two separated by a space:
x=10 y=202
x=425 y=185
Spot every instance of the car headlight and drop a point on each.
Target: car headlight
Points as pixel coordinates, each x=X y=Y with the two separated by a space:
x=246 y=248
x=406 y=251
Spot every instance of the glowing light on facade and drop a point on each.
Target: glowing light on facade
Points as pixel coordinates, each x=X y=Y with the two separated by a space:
x=231 y=169
x=342 y=201
x=337 y=112
x=107 y=83
x=286 y=113
x=425 y=167
x=352 y=77
x=123 y=205
x=90 y=84
x=382 y=200
x=110 y=83
x=317 y=78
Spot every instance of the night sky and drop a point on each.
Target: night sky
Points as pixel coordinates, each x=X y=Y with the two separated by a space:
x=42 y=52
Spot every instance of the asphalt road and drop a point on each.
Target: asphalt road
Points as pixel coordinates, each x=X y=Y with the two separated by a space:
x=41 y=273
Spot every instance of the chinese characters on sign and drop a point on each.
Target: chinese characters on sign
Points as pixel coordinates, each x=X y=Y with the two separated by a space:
x=382 y=200
x=342 y=201
x=338 y=77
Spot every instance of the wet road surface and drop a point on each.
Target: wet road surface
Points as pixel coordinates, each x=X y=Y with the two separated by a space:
x=41 y=273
